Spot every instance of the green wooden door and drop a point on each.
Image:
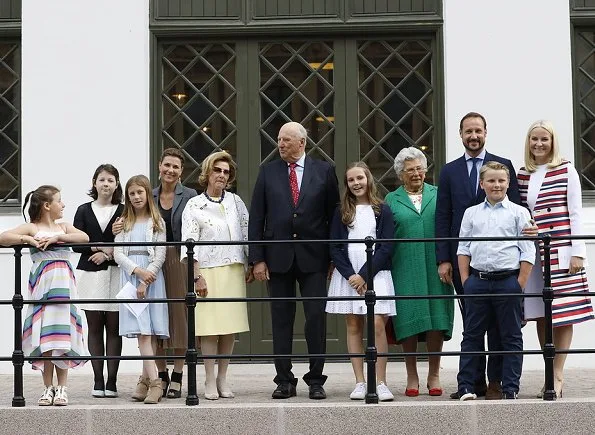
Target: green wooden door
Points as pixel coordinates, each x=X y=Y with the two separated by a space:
x=358 y=99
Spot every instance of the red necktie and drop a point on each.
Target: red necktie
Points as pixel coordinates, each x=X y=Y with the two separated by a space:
x=293 y=183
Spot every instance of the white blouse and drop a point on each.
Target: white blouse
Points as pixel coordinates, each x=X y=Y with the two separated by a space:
x=204 y=220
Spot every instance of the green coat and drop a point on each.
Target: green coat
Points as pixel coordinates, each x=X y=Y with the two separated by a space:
x=414 y=268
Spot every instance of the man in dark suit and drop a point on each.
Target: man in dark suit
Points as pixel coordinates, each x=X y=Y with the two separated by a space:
x=459 y=189
x=294 y=198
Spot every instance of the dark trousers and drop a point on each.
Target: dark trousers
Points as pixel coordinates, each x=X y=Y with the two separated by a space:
x=494 y=362
x=480 y=313
x=283 y=316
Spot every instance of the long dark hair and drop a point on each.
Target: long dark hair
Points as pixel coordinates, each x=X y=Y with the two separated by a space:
x=37 y=198
x=110 y=169
x=348 y=199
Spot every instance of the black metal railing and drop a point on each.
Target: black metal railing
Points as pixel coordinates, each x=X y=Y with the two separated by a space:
x=371 y=353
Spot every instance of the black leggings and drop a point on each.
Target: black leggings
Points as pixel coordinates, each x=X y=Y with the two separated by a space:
x=97 y=322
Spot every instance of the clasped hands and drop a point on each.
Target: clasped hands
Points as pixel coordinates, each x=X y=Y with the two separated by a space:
x=358 y=283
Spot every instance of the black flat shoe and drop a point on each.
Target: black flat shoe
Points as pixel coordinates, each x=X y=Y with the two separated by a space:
x=317 y=392
x=284 y=391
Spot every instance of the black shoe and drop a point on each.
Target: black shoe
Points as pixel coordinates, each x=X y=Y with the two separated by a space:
x=284 y=391
x=480 y=389
x=509 y=395
x=455 y=395
x=317 y=392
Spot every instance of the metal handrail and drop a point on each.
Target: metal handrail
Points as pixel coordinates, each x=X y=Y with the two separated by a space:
x=371 y=353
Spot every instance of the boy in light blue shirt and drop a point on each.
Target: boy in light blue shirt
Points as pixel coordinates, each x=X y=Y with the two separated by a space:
x=493 y=268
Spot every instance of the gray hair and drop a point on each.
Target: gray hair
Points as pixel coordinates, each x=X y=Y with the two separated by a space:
x=410 y=153
x=300 y=130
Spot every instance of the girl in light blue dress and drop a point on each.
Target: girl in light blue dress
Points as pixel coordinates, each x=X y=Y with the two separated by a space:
x=141 y=266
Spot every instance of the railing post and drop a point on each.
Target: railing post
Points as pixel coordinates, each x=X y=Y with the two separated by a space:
x=18 y=357
x=371 y=351
x=549 y=350
x=191 y=353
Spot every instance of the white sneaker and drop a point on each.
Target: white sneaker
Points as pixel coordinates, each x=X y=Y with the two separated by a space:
x=384 y=394
x=359 y=392
x=468 y=396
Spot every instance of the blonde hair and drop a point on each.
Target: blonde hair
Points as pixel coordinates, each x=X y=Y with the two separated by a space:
x=555 y=159
x=129 y=214
x=496 y=166
x=348 y=200
x=207 y=168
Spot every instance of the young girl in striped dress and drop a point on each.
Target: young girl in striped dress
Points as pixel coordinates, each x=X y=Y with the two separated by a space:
x=50 y=330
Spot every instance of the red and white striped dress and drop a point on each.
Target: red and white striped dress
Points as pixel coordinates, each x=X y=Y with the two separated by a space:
x=556 y=209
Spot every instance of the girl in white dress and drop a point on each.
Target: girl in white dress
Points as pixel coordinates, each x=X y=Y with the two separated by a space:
x=361 y=214
x=50 y=330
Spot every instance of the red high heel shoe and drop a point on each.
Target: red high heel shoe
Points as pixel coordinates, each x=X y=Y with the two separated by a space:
x=434 y=391
x=412 y=392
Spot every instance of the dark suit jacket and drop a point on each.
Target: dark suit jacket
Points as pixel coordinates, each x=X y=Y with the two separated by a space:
x=85 y=220
x=274 y=217
x=454 y=197
x=182 y=195
x=381 y=259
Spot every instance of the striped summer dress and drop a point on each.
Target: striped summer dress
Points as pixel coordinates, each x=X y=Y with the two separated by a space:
x=557 y=213
x=53 y=328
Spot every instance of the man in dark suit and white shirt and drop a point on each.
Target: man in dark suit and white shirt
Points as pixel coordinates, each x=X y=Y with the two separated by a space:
x=459 y=189
x=294 y=198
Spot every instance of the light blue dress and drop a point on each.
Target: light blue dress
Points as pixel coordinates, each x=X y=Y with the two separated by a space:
x=153 y=320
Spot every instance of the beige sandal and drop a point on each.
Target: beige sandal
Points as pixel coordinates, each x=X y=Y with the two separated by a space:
x=47 y=398
x=61 y=398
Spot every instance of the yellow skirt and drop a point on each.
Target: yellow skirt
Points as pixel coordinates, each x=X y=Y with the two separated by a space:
x=222 y=318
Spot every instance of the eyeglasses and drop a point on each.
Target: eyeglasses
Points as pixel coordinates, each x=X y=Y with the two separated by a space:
x=418 y=169
x=217 y=170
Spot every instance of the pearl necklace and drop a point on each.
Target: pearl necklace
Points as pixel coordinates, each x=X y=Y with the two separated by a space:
x=219 y=201
x=418 y=192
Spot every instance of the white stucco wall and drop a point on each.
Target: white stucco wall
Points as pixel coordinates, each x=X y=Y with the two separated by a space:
x=85 y=99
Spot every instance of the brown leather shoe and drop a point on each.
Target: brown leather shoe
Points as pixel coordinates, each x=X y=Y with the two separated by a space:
x=494 y=391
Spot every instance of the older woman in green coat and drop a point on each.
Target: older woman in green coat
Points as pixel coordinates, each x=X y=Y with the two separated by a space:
x=414 y=271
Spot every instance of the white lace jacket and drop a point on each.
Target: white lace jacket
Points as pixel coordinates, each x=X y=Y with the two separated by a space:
x=203 y=220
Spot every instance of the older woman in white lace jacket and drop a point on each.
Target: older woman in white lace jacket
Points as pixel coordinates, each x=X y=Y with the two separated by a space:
x=220 y=271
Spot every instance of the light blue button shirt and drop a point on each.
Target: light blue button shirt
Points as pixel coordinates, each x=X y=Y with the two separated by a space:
x=504 y=219
x=478 y=164
x=299 y=170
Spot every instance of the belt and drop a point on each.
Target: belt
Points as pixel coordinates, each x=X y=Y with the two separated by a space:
x=138 y=253
x=494 y=276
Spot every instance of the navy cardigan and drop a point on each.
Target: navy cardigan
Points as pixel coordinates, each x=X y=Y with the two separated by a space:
x=381 y=259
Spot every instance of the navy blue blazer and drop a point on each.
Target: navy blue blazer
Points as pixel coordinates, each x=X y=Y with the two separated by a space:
x=86 y=221
x=454 y=197
x=182 y=195
x=274 y=217
x=381 y=259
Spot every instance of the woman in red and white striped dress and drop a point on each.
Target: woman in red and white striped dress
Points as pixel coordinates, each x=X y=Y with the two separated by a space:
x=551 y=189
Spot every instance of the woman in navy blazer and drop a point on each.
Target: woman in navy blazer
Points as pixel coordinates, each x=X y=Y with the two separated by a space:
x=100 y=276
x=171 y=198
